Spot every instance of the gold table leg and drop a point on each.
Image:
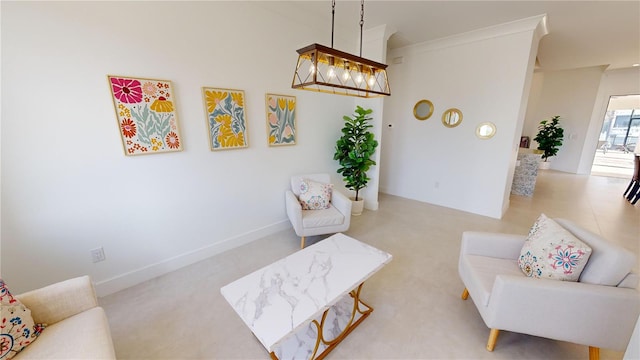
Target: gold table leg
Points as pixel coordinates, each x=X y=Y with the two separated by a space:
x=331 y=344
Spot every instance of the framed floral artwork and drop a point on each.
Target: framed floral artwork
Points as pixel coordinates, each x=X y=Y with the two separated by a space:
x=225 y=118
x=146 y=114
x=281 y=119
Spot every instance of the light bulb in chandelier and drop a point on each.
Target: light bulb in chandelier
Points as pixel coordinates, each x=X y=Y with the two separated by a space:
x=345 y=73
x=359 y=78
x=331 y=72
x=371 y=81
x=371 y=78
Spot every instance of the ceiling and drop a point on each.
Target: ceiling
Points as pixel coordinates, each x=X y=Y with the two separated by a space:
x=581 y=33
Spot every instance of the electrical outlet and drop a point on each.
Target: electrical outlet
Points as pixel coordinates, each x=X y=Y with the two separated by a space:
x=97 y=255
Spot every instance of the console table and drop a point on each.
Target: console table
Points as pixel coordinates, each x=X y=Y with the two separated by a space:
x=525 y=174
x=303 y=305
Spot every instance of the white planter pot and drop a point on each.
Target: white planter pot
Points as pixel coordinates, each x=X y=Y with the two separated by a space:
x=357 y=206
x=544 y=165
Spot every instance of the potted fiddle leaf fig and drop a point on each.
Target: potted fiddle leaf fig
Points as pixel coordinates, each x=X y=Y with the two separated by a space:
x=353 y=151
x=549 y=138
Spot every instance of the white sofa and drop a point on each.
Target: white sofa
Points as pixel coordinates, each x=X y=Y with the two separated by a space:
x=600 y=310
x=77 y=327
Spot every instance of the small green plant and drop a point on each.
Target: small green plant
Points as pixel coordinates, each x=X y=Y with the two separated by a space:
x=549 y=138
x=354 y=150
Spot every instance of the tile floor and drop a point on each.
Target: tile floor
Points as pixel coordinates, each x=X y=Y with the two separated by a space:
x=418 y=311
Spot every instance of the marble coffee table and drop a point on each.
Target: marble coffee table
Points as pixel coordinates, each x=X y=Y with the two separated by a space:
x=302 y=306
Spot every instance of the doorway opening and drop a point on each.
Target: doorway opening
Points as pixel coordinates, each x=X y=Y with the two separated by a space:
x=618 y=138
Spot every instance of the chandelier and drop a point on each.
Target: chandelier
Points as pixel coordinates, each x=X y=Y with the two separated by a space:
x=325 y=69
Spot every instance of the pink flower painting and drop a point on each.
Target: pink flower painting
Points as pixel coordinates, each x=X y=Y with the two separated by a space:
x=281 y=119
x=145 y=115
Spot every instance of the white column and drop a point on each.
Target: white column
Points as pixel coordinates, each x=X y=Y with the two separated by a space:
x=374 y=47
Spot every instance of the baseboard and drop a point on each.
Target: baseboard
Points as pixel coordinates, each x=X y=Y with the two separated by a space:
x=131 y=278
x=371 y=205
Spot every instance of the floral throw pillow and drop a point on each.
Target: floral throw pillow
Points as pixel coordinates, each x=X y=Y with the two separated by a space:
x=17 y=329
x=551 y=252
x=315 y=195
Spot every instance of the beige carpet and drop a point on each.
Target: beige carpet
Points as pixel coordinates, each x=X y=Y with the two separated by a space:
x=418 y=311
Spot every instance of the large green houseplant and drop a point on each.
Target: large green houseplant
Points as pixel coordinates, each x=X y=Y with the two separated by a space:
x=549 y=137
x=354 y=150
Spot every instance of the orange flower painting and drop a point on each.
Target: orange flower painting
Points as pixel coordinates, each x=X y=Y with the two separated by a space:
x=146 y=115
x=225 y=118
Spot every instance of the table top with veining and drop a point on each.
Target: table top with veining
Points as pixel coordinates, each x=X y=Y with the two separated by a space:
x=280 y=298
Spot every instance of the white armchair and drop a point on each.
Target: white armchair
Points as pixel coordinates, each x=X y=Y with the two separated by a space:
x=336 y=218
x=600 y=310
x=77 y=327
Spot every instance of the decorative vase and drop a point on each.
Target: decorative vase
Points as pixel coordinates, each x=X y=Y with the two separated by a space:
x=357 y=206
x=544 y=165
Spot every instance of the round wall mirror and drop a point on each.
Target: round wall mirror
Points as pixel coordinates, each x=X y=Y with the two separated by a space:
x=452 y=117
x=423 y=109
x=486 y=130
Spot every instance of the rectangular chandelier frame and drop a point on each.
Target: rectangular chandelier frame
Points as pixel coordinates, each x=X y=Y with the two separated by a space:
x=324 y=69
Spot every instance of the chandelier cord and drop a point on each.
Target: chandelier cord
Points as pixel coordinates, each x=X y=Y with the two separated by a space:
x=361 y=23
x=333 y=17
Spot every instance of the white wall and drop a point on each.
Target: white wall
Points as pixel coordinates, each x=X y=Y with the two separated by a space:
x=570 y=94
x=66 y=185
x=581 y=97
x=531 y=122
x=486 y=74
x=614 y=82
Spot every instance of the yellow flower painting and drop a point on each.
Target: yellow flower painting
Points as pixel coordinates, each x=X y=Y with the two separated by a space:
x=225 y=118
